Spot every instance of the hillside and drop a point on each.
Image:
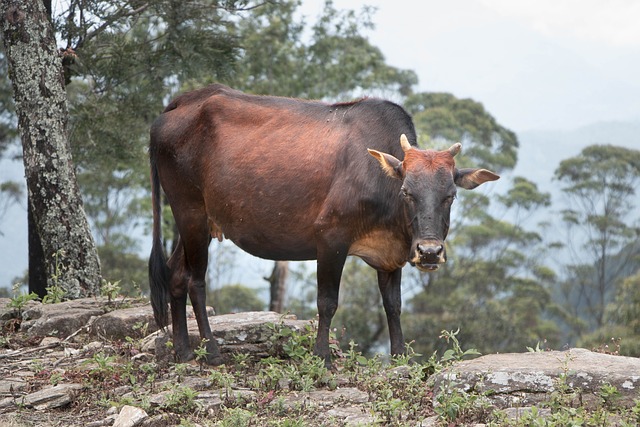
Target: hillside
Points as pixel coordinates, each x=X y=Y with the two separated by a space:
x=96 y=362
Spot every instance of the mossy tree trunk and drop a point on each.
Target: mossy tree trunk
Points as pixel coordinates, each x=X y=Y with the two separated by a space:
x=35 y=70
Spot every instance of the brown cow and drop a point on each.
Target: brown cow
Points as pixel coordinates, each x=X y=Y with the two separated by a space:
x=288 y=179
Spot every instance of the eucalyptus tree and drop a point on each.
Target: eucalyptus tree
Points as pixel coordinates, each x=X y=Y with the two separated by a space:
x=603 y=227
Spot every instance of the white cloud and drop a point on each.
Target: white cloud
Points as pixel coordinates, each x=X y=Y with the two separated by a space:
x=610 y=22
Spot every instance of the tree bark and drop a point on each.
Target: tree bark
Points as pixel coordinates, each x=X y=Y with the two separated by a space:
x=35 y=70
x=278 y=285
x=37 y=264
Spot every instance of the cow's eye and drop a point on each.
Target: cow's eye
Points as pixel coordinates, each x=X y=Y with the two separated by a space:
x=406 y=194
x=449 y=200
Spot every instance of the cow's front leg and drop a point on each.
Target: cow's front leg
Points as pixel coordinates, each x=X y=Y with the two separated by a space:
x=389 y=284
x=330 y=264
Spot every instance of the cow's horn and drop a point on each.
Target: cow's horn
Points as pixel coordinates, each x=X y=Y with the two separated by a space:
x=455 y=149
x=404 y=142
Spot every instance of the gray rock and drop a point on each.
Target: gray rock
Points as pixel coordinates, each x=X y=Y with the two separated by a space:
x=52 y=397
x=247 y=333
x=61 y=319
x=525 y=379
x=130 y=416
x=133 y=322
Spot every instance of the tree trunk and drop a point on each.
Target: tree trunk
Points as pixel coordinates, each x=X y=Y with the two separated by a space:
x=41 y=104
x=37 y=265
x=278 y=285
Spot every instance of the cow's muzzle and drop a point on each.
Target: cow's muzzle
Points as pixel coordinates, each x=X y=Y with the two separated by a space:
x=428 y=255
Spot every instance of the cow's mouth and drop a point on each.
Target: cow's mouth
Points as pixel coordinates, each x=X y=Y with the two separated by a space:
x=428 y=256
x=427 y=267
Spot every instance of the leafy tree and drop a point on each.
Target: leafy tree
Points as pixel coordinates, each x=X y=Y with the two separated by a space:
x=35 y=71
x=336 y=61
x=236 y=298
x=621 y=322
x=600 y=185
x=443 y=116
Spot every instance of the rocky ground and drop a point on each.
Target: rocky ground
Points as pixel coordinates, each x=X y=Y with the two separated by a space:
x=96 y=362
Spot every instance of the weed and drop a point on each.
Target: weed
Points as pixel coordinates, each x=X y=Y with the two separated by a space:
x=236 y=417
x=455 y=353
x=110 y=290
x=55 y=294
x=201 y=353
x=20 y=300
x=182 y=400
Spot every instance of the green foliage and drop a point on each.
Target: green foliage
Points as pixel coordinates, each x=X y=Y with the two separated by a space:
x=443 y=116
x=602 y=228
x=338 y=58
x=19 y=300
x=110 y=290
x=181 y=400
x=620 y=333
x=236 y=298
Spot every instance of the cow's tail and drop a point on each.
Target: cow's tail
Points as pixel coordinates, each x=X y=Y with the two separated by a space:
x=158 y=269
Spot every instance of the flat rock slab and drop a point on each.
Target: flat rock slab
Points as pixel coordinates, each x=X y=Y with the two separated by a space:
x=522 y=379
x=248 y=333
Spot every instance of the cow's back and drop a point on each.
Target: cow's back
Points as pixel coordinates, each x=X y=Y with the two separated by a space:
x=269 y=170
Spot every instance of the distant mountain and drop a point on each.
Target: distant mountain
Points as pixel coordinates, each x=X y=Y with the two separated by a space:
x=542 y=151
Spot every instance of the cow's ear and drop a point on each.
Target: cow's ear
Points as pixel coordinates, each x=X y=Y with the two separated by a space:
x=471 y=178
x=390 y=165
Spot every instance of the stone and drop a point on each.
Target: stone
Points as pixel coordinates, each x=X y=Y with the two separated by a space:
x=62 y=319
x=134 y=322
x=526 y=379
x=52 y=397
x=246 y=333
x=130 y=416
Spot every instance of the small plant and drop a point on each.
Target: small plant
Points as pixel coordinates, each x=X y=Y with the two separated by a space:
x=455 y=353
x=104 y=364
x=222 y=380
x=20 y=300
x=55 y=378
x=110 y=290
x=537 y=348
x=201 y=353
x=182 y=400
x=55 y=294
x=609 y=395
x=236 y=417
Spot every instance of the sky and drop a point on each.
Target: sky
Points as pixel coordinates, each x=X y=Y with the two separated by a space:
x=533 y=64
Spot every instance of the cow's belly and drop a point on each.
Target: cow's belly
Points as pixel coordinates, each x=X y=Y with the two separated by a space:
x=381 y=249
x=267 y=239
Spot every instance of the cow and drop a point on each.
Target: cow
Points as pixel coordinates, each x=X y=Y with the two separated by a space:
x=290 y=179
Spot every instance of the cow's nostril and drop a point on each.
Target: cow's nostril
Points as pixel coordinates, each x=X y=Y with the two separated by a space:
x=429 y=250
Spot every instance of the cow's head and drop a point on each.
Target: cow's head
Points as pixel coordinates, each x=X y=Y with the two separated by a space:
x=429 y=180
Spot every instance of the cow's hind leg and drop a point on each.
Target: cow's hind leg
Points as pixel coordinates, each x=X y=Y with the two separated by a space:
x=389 y=284
x=178 y=301
x=191 y=263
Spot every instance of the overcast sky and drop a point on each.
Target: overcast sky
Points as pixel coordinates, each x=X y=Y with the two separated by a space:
x=534 y=64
